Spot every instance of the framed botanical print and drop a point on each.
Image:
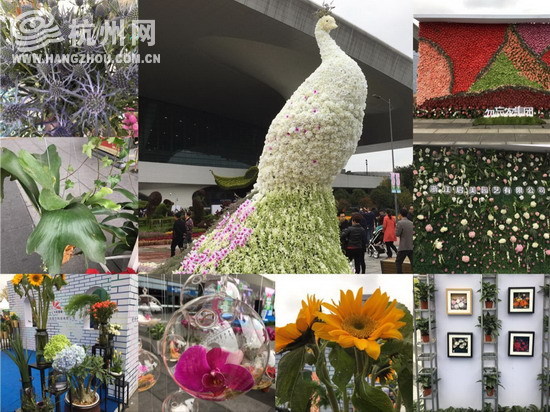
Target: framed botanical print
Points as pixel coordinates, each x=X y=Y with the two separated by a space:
x=521 y=300
x=459 y=301
x=521 y=343
x=459 y=345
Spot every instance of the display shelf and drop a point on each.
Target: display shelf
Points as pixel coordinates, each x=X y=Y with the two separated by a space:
x=545 y=367
x=489 y=350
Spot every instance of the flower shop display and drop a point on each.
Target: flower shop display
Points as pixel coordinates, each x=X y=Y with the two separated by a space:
x=39 y=290
x=490 y=324
x=67 y=222
x=459 y=301
x=85 y=90
x=521 y=343
x=521 y=300
x=85 y=374
x=460 y=75
x=368 y=344
x=225 y=347
x=306 y=146
x=459 y=345
x=102 y=312
x=481 y=211
x=54 y=346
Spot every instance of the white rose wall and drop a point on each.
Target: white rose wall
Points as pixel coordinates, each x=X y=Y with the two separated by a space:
x=123 y=290
x=481 y=210
x=459 y=378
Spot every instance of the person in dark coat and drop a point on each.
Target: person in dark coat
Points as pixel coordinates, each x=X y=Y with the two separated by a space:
x=344 y=222
x=178 y=234
x=354 y=242
x=370 y=219
x=189 y=227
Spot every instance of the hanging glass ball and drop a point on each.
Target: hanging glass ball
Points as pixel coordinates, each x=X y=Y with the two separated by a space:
x=148 y=370
x=149 y=310
x=269 y=375
x=179 y=401
x=204 y=285
x=225 y=347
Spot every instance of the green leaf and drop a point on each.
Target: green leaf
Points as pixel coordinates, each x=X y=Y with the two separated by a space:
x=289 y=371
x=127 y=216
x=106 y=161
x=10 y=167
x=100 y=194
x=107 y=204
x=69 y=184
x=344 y=366
x=374 y=400
x=75 y=225
x=35 y=169
x=304 y=390
x=51 y=160
x=405 y=382
x=114 y=180
x=51 y=201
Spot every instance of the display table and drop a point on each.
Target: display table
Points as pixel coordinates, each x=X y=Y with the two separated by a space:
x=42 y=369
x=387 y=266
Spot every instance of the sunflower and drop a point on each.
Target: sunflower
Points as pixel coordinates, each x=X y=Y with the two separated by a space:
x=353 y=323
x=36 y=280
x=298 y=334
x=17 y=279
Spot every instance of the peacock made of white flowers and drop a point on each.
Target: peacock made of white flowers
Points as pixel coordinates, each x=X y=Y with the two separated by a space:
x=288 y=222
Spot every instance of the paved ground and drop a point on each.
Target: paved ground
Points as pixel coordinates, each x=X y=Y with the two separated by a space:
x=460 y=132
x=18 y=218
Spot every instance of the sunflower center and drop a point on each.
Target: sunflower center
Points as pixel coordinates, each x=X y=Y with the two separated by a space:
x=359 y=326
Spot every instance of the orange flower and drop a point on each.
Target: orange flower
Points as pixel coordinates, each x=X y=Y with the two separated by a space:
x=35 y=279
x=299 y=333
x=17 y=279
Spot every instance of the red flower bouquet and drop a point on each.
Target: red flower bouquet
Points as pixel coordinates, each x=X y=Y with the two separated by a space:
x=103 y=311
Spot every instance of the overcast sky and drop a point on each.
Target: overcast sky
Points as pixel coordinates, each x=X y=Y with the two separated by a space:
x=292 y=289
x=388 y=20
x=538 y=7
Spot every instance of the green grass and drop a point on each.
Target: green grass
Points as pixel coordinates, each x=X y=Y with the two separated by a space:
x=508 y=121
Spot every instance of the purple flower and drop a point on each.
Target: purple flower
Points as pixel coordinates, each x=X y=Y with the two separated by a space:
x=208 y=374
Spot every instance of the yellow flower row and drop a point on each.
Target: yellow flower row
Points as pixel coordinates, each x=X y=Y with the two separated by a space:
x=350 y=322
x=34 y=279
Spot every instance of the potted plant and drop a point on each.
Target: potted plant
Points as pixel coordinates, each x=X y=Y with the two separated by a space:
x=14 y=320
x=489 y=294
x=21 y=359
x=491 y=380
x=116 y=364
x=544 y=379
x=102 y=312
x=157 y=332
x=423 y=325
x=4 y=330
x=425 y=381
x=85 y=374
x=423 y=292
x=39 y=290
x=491 y=326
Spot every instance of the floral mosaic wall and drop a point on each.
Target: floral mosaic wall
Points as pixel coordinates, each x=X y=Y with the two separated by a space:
x=468 y=66
x=481 y=211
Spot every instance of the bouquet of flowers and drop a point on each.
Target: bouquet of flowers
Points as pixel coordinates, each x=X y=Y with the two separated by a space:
x=103 y=311
x=367 y=344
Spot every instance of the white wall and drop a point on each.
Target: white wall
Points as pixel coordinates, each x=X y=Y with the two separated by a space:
x=458 y=386
x=519 y=375
x=458 y=376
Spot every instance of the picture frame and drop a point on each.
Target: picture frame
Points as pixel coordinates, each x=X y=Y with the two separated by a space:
x=459 y=344
x=521 y=300
x=459 y=301
x=521 y=343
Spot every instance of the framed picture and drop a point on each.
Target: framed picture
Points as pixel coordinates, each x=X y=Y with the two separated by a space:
x=459 y=345
x=521 y=300
x=459 y=301
x=520 y=343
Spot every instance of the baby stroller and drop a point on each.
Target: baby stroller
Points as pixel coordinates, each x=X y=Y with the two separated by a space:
x=376 y=244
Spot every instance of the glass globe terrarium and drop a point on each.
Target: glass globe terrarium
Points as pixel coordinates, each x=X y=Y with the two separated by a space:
x=224 y=347
x=149 y=309
x=203 y=285
x=148 y=369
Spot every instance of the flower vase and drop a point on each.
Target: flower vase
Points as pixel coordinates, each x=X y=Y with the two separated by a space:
x=41 y=339
x=28 y=398
x=104 y=335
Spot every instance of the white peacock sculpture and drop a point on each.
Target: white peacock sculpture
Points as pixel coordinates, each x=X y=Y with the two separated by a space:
x=288 y=222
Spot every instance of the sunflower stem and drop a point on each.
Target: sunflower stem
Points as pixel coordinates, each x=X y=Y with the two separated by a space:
x=322 y=373
x=346 y=400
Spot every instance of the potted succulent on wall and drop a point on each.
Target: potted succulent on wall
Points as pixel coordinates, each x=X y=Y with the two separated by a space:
x=423 y=293
x=489 y=294
x=423 y=325
x=425 y=381
x=39 y=290
x=491 y=380
x=85 y=374
x=491 y=326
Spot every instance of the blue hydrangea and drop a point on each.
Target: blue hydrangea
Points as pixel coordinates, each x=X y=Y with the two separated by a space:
x=69 y=358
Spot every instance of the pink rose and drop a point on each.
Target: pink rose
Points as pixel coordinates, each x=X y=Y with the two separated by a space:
x=465 y=259
x=513 y=239
x=415 y=172
x=547 y=252
x=519 y=249
x=451 y=176
x=472 y=234
x=429 y=228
